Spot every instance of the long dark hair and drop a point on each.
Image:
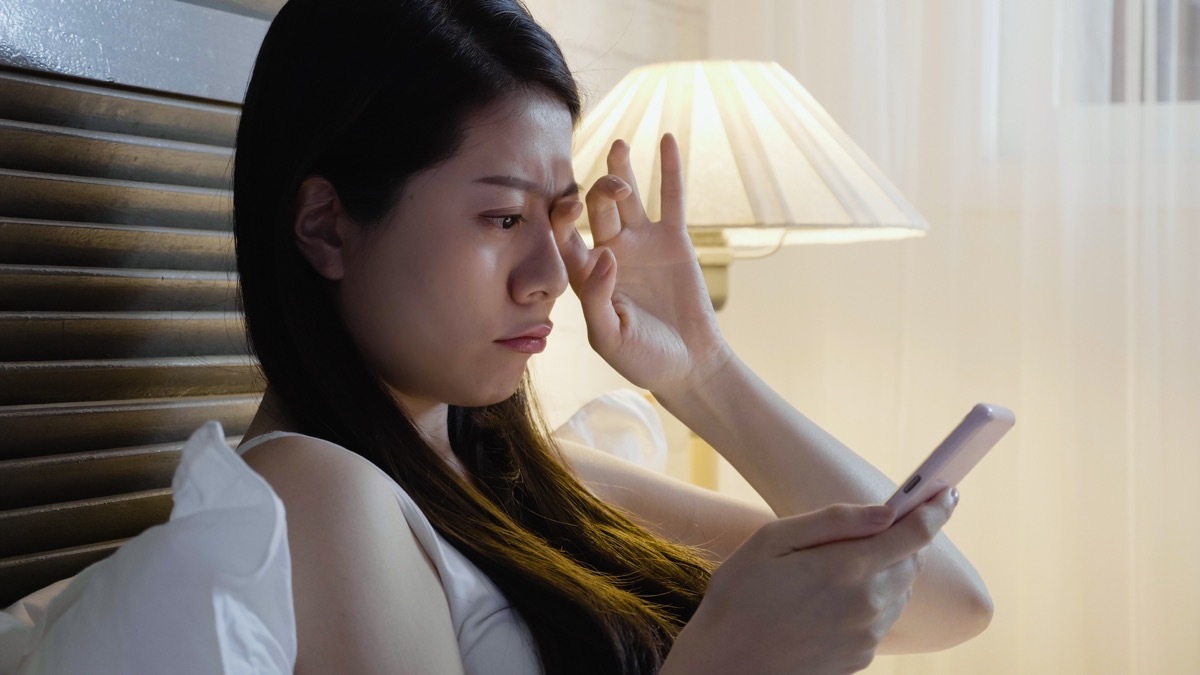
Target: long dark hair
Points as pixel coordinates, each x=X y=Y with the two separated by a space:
x=366 y=93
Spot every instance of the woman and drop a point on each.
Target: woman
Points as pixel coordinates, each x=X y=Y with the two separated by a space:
x=404 y=208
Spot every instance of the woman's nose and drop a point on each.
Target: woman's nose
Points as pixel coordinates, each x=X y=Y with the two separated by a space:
x=541 y=274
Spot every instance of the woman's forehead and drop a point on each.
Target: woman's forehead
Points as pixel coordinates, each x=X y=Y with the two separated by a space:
x=518 y=135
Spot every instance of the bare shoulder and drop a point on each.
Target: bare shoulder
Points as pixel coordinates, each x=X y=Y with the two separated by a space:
x=367 y=598
x=293 y=463
x=327 y=487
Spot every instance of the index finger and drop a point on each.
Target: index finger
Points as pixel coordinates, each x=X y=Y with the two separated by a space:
x=914 y=531
x=672 y=206
x=630 y=207
x=835 y=523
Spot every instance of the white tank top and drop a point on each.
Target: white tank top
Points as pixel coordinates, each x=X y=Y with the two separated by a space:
x=492 y=637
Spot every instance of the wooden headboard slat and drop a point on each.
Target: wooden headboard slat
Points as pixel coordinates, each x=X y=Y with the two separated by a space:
x=38 y=481
x=51 y=336
x=79 y=105
x=119 y=329
x=43 y=287
x=37 y=430
x=21 y=575
x=32 y=194
x=33 y=382
x=57 y=526
x=49 y=242
x=30 y=146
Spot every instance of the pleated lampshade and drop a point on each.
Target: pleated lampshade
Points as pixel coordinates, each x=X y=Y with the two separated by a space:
x=764 y=164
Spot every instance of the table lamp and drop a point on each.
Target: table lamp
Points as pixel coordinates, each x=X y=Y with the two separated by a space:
x=764 y=165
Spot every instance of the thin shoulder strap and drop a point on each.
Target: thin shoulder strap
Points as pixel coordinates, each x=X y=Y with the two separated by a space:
x=259 y=440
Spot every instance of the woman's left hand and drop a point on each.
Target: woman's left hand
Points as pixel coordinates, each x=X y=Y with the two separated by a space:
x=647 y=310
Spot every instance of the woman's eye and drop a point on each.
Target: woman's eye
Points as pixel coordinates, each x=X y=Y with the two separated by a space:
x=507 y=222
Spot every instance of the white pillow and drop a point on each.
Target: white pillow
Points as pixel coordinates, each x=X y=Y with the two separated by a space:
x=622 y=423
x=210 y=591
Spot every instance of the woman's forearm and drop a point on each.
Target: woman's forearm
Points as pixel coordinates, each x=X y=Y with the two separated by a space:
x=794 y=464
x=797 y=467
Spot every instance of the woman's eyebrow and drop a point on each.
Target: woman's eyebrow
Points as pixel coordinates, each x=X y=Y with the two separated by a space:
x=529 y=186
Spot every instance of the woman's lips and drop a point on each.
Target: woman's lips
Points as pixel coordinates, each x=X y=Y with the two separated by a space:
x=529 y=340
x=525 y=344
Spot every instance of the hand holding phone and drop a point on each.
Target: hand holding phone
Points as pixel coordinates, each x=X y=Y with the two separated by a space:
x=950 y=462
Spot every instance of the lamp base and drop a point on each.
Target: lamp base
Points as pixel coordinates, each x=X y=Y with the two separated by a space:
x=712 y=249
x=716 y=278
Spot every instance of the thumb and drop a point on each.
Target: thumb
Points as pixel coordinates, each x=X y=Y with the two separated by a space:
x=596 y=298
x=840 y=522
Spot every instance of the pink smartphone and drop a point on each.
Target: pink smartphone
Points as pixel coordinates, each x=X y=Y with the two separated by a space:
x=958 y=454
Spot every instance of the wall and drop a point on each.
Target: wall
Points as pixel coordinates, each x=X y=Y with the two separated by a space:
x=1059 y=278
x=164 y=45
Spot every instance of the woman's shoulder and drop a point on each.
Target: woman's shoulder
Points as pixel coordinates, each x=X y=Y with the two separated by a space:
x=296 y=458
x=332 y=495
x=366 y=593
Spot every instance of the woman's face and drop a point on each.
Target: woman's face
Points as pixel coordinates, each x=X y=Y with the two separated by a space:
x=450 y=295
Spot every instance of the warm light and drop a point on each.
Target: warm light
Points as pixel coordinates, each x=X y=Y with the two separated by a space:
x=764 y=164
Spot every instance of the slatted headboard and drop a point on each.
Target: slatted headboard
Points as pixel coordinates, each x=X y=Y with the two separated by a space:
x=119 y=330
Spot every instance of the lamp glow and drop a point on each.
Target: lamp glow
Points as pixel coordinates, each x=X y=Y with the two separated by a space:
x=764 y=164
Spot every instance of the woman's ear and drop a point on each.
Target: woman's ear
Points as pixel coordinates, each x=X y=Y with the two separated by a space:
x=322 y=227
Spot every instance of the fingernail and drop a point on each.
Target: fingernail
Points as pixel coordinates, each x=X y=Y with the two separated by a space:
x=954 y=496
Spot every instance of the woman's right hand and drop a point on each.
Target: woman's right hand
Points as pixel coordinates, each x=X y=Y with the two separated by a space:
x=811 y=594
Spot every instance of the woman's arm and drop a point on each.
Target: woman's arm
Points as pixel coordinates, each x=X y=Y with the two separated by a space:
x=714 y=523
x=810 y=593
x=367 y=599
x=648 y=316
x=797 y=467
x=718 y=525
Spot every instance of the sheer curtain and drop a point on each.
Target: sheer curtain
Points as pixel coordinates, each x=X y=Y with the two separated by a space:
x=1052 y=146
